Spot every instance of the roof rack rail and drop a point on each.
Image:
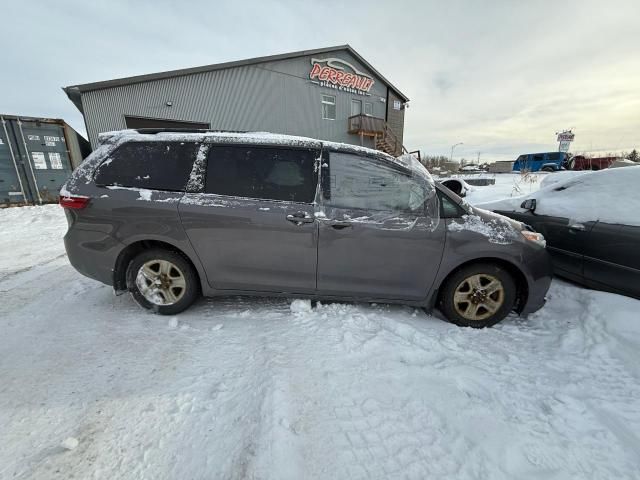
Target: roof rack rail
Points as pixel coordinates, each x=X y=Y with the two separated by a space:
x=151 y=131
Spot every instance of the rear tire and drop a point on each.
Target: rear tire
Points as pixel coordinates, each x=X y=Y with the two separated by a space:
x=548 y=169
x=162 y=281
x=478 y=295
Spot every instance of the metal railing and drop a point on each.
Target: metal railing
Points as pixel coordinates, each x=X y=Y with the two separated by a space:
x=366 y=125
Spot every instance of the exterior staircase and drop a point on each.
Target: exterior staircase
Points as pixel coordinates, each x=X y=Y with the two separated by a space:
x=384 y=138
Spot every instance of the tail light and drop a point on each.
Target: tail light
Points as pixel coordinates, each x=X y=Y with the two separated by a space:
x=76 y=202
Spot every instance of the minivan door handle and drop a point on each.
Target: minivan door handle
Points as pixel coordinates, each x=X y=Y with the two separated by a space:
x=300 y=217
x=339 y=224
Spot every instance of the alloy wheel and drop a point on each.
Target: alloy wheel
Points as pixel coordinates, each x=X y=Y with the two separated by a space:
x=161 y=282
x=478 y=297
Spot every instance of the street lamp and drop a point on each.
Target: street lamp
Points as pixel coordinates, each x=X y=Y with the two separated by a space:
x=452 y=147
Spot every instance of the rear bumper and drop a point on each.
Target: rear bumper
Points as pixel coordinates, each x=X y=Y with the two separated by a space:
x=93 y=254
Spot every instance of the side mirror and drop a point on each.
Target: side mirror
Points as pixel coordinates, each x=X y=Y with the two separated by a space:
x=529 y=204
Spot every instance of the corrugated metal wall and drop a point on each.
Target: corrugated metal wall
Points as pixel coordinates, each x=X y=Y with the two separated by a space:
x=36 y=158
x=395 y=116
x=272 y=96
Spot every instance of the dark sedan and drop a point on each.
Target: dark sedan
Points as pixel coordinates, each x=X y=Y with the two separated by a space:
x=586 y=246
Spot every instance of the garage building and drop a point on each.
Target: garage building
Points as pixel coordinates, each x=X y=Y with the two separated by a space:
x=329 y=93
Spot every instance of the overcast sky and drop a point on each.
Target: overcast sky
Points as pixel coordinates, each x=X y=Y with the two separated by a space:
x=500 y=76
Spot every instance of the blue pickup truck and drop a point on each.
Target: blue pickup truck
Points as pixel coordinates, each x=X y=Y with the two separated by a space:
x=547 y=162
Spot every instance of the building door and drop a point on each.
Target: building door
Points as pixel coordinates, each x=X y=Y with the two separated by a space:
x=356 y=107
x=141 y=122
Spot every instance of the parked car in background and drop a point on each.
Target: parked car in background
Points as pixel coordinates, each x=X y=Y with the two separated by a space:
x=591 y=223
x=581 y=162
x=456 y=185
x=470 y=169
x=168 y=216
x=546 y=162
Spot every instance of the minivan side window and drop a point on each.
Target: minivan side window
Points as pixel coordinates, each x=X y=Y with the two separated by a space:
x=269 y=173
x=363 y=183
x=448 y=208
x=152 y=165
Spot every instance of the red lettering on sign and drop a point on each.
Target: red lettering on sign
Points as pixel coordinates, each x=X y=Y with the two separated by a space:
x=340 y=77
x=315 y=70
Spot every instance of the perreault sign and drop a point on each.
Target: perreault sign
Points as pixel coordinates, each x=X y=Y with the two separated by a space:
x=341 y=75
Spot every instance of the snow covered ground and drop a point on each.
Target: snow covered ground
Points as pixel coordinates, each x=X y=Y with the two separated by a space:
x=93 y=387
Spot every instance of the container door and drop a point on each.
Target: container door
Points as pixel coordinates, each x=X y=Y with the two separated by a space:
x=11 y=181
x=43 y=146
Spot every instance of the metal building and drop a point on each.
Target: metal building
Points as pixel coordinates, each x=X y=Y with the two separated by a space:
x=36 y=157
x=329 y=93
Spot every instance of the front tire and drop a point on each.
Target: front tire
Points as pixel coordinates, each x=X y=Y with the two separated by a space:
x=478 y=295
x=162 y=281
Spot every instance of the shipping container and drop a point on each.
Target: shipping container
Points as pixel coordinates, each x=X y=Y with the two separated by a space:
x=501 y=166
x=37 y=155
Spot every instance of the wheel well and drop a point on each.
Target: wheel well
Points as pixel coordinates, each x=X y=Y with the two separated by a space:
x=522 y=289
x=125 y=257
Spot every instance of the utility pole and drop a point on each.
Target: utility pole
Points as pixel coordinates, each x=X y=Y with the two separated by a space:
x=452 y=147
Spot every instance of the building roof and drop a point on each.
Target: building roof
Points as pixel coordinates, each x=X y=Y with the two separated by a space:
x=74 y=91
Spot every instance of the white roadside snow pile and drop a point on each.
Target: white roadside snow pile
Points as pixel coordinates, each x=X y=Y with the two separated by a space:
x=45 y=227
x=609 y=195
x=235 y=388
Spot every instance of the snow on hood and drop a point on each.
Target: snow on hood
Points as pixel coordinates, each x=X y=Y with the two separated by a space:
x=497 y=228
x=611 y=196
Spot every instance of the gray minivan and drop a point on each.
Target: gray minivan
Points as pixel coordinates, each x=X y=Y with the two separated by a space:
x=168 y=216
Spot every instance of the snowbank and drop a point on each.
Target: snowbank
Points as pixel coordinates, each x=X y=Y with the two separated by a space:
x=30 y=236
x=273 y=389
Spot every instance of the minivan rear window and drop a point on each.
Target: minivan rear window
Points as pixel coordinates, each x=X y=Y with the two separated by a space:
x=271 y=173
x=152 y=165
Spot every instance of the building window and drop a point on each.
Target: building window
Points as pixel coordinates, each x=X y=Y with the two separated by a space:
x=368 y=108
x=328 y=107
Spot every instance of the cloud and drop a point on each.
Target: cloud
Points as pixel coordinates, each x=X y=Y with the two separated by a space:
x=500 y=76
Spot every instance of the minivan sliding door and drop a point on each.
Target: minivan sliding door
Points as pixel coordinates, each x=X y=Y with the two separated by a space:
x=254 y=227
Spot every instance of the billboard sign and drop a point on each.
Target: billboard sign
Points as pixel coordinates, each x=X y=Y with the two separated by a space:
x=564 y=146
x=567 y=136
x=340 y=75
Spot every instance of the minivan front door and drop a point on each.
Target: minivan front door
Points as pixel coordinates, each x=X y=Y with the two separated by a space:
x=253 y=228
x=376 y=239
